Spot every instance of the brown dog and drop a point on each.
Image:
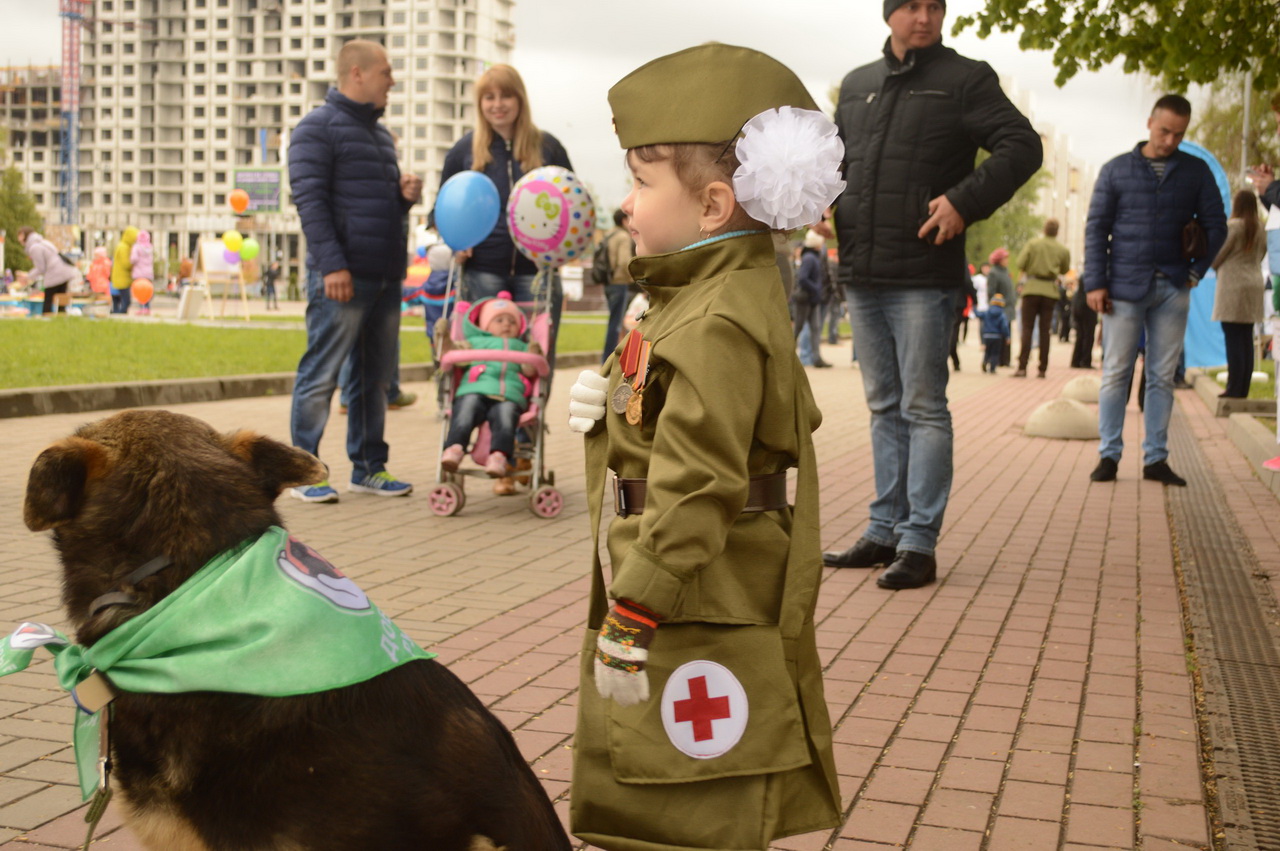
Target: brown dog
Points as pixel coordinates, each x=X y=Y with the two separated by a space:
x=410 y=759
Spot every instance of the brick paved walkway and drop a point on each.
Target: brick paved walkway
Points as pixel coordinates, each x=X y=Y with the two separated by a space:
x=1036 y=697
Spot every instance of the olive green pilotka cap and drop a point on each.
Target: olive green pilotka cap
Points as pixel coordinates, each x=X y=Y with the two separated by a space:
x=702 y=94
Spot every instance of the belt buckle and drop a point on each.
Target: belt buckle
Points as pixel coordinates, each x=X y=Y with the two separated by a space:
x=619 y=498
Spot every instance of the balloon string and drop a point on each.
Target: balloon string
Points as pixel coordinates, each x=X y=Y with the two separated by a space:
x=448 y=288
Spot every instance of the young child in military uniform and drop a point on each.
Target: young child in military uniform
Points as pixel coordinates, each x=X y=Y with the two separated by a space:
x=702 y=722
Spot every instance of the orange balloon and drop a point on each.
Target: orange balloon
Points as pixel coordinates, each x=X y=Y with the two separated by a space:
x=142 y=290
x=239 y=200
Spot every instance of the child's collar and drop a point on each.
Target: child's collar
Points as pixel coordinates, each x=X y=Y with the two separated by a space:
x=709 y=240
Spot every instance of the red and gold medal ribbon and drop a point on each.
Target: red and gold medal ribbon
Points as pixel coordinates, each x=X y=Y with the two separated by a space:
x=629 y=360
x=642 y=366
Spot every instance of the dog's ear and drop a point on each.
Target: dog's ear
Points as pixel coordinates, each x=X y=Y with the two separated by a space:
x=278 y=466
x=56 y=486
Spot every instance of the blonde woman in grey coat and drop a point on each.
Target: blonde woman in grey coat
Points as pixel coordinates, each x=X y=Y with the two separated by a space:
x=1237 y=303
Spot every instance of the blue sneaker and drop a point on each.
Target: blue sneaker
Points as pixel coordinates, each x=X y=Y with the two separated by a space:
x=381 y=484
x=319 y=492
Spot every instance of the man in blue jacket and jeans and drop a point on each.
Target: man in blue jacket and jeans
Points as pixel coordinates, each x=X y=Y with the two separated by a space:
x=352 y=200
x=1136 y=274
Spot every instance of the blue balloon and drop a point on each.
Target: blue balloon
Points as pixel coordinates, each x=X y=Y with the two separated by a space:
x=467 y=208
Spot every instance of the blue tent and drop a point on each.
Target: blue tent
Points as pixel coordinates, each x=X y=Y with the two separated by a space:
x=1204 y=345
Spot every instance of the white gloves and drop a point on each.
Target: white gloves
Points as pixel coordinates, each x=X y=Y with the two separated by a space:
x=586 y=401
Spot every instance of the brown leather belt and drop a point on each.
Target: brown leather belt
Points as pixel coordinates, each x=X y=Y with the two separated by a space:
x=764 y=493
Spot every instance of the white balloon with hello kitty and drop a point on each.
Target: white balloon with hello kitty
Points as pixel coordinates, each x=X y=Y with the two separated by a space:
x=551 y=216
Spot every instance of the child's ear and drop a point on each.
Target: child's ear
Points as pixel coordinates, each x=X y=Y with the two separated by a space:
x=718 y=206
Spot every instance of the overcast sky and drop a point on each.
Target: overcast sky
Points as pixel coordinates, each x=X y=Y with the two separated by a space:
x=571 y=51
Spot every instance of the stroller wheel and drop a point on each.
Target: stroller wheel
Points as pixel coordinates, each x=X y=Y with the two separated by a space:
x=546 y=502
x=446 y=499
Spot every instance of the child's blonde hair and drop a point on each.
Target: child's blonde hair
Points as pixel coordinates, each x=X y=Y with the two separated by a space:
x=697 y=165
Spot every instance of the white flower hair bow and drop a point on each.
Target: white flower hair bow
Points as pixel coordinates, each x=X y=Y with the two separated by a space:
x=790 y=167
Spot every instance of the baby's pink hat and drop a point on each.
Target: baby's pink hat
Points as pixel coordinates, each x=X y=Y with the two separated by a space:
x=501 y=303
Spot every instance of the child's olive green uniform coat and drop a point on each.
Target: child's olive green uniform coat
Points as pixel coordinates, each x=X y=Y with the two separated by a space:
x=726 y=399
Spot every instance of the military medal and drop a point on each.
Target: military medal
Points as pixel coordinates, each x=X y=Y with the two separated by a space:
x=635 y=408
x=620 y=397
x=634 y=361
x=635 y=404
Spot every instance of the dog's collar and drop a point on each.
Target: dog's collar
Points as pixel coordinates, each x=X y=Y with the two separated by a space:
x=125 y=598
x=269 y=617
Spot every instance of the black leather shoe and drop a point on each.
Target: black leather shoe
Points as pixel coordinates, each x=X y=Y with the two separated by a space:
x=862 y=554
x=1105 y=471
x=1160 y=472
x=909 y=570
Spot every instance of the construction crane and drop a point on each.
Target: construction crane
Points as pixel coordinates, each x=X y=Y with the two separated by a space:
x=72 y=14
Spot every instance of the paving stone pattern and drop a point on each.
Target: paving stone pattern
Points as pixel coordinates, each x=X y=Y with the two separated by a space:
x=1036 y=697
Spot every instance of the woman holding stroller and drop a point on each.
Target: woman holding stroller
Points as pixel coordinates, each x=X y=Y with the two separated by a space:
x=505 y=145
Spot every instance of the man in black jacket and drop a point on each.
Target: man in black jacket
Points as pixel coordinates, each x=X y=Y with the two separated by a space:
x=912 y=123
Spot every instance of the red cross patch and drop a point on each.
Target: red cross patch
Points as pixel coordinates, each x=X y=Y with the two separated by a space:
x=704 y=709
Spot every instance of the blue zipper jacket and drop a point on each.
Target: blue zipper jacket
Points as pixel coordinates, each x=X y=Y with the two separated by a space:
x=995 y=325
x=1135 y=223
x=346 y=185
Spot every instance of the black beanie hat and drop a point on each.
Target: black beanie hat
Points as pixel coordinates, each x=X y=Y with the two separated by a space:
x=890 y=5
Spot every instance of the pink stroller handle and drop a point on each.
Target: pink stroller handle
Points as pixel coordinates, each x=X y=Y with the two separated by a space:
x=458 y=357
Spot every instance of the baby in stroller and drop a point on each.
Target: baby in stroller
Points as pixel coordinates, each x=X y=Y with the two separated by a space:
x=496 y=392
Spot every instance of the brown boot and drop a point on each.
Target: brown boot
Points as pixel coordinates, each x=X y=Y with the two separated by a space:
x=504 y=486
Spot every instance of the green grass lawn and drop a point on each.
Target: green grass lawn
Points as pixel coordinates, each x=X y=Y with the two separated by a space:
x=71 y=350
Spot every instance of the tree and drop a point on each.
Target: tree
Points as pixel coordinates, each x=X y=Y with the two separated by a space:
x=1011 y=226
x=1181 y=41
x=17 y=209
x=1216 y=121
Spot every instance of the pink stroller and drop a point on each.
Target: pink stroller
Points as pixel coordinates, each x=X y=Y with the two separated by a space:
x=448 y=496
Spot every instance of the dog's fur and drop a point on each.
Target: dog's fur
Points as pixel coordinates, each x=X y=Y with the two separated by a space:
x=410 y=759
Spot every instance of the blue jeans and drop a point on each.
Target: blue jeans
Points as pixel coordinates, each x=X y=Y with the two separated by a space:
x=902 y=337
x=831 y=313
x=806 y=326
x=472 y=409
x=1163 y=313
x=477 y=285
x=344 y=380
x=365 y=329
x=616 y=296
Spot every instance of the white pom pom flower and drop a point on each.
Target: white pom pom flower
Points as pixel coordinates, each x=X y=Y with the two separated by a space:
x=790 y=170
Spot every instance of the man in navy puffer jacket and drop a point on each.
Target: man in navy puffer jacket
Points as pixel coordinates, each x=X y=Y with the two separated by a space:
x=352 y=201
x=1136 y=275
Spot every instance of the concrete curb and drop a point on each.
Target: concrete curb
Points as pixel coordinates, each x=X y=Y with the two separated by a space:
x=1208 y=389
x=1256 y=442
x=77 y=398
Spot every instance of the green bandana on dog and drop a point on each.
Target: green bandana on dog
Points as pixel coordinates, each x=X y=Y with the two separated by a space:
x=269 y=617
